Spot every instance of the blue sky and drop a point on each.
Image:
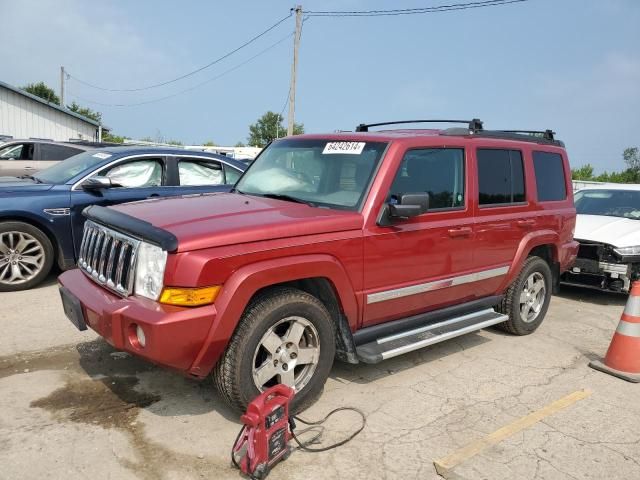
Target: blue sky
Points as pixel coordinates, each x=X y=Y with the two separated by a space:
x=570 y=65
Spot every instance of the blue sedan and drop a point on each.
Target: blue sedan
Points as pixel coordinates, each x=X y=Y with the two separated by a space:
x=41 y=215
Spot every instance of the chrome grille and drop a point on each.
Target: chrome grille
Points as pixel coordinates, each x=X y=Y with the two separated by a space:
x=108 y=257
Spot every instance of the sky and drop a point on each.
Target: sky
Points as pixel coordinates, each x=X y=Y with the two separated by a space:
x=569 y=65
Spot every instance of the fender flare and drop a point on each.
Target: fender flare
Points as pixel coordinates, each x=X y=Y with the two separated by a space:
x=528 y=243
x=240 y=287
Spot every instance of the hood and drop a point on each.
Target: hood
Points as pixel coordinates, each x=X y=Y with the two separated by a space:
x=616 y=231
x=217 y=219
x=21 y=185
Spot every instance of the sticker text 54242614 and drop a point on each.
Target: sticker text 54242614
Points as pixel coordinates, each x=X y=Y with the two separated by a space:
x=352 y=148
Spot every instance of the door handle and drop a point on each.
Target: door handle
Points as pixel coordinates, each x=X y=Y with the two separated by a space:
x=525 y=223
x=459 y=232
x=29 y=168
x=153 y=195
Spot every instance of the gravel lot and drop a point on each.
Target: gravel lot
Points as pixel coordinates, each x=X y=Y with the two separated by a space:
x=71 y=407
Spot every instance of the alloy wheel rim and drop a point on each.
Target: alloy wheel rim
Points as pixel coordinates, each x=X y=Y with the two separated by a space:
x=532 y=297
x=287 y=353
x=21 y=257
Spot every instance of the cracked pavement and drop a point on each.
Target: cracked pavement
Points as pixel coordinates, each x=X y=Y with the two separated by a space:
x=71 y=407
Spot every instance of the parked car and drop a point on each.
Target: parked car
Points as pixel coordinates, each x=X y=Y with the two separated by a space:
x=23 y=157
x=608 y=230
x=362 y=245
x=40 y=215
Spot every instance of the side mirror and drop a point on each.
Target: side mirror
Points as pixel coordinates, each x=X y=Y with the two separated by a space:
x=408 y=205
x=97 y=183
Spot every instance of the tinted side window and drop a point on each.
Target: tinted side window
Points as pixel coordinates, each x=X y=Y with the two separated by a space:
x=437 y=171
x=57 y=152
x=500 y=176
x=550 y=181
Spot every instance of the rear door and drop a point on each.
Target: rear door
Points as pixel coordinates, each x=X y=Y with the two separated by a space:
x=17 y=159
x=503 y=214
x=136 y=178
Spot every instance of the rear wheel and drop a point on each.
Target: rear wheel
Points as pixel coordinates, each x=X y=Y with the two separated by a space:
x=26 y=256
x=527 y=299
x=285 y=336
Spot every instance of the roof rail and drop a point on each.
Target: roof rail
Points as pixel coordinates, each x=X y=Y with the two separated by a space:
x=475 y=125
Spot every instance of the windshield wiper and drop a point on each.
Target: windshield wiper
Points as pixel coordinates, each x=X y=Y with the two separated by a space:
x=31 y=177
x=288 y=198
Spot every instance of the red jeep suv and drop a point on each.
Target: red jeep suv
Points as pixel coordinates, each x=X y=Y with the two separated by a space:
x=361 y=246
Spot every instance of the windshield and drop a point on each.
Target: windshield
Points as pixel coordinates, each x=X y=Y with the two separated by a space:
x=64 y=171
x=611 y=203
x=320 y=172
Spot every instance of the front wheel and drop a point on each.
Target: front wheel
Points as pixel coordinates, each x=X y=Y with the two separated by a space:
x=26 y=256
x=527 y=299
x=285 y=336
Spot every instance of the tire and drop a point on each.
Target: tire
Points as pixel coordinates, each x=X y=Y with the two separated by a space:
x=537 y=269
x=275 y=312
x=26 y=256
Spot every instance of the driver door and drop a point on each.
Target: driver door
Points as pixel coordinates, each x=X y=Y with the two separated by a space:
x=134 y=179
x=421 y=263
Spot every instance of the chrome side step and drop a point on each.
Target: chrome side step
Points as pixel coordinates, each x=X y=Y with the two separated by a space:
x=414 y=339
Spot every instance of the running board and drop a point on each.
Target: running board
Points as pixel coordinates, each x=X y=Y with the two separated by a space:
x=410 y=340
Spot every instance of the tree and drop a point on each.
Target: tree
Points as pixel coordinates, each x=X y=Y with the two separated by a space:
x=41 y=90
x=85 y=112
x=585 y=172
x=209 y=143
x=174 y=142
x=269 y=127
x=239 y=144
x=109 y=137
x=631 y=157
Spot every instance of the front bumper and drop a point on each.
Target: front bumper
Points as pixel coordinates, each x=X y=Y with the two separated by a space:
x=174 y=335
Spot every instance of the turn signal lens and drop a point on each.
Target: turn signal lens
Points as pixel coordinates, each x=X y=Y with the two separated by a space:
x=189 y=297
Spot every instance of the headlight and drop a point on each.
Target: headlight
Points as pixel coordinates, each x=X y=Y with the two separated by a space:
x=150 y=270
x=628 y=251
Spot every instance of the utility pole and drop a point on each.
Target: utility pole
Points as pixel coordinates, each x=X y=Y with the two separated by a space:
x=62 y=86
x=294 y=68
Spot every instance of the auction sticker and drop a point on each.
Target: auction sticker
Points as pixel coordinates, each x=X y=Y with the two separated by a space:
x=352 y=148
x=102 y=156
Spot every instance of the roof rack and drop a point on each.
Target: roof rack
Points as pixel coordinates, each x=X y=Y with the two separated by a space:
x=475 y=125
x=546 y=134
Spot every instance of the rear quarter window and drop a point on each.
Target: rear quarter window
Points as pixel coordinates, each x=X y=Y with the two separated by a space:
x=550 y=179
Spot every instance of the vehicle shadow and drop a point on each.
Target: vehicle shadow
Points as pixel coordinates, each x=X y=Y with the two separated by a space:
x=588 y=295
x=137 y=383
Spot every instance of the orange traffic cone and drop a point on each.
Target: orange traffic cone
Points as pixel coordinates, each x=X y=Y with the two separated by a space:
x=623 y=357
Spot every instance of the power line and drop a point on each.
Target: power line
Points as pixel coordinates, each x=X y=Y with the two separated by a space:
x=411 y=11
x=260 y=53
x=193 y=72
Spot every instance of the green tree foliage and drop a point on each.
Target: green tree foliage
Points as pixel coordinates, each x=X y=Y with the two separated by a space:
x=583 y=173
x=174 y=142
x=41 y=90
x=631 y=174
x=112 y=138
x=85 y=112
x=269 y=127
x=631 y=157
x=239 y=144
x=209 y=143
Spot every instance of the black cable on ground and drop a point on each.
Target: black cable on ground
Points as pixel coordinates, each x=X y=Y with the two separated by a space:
x=306 y=448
